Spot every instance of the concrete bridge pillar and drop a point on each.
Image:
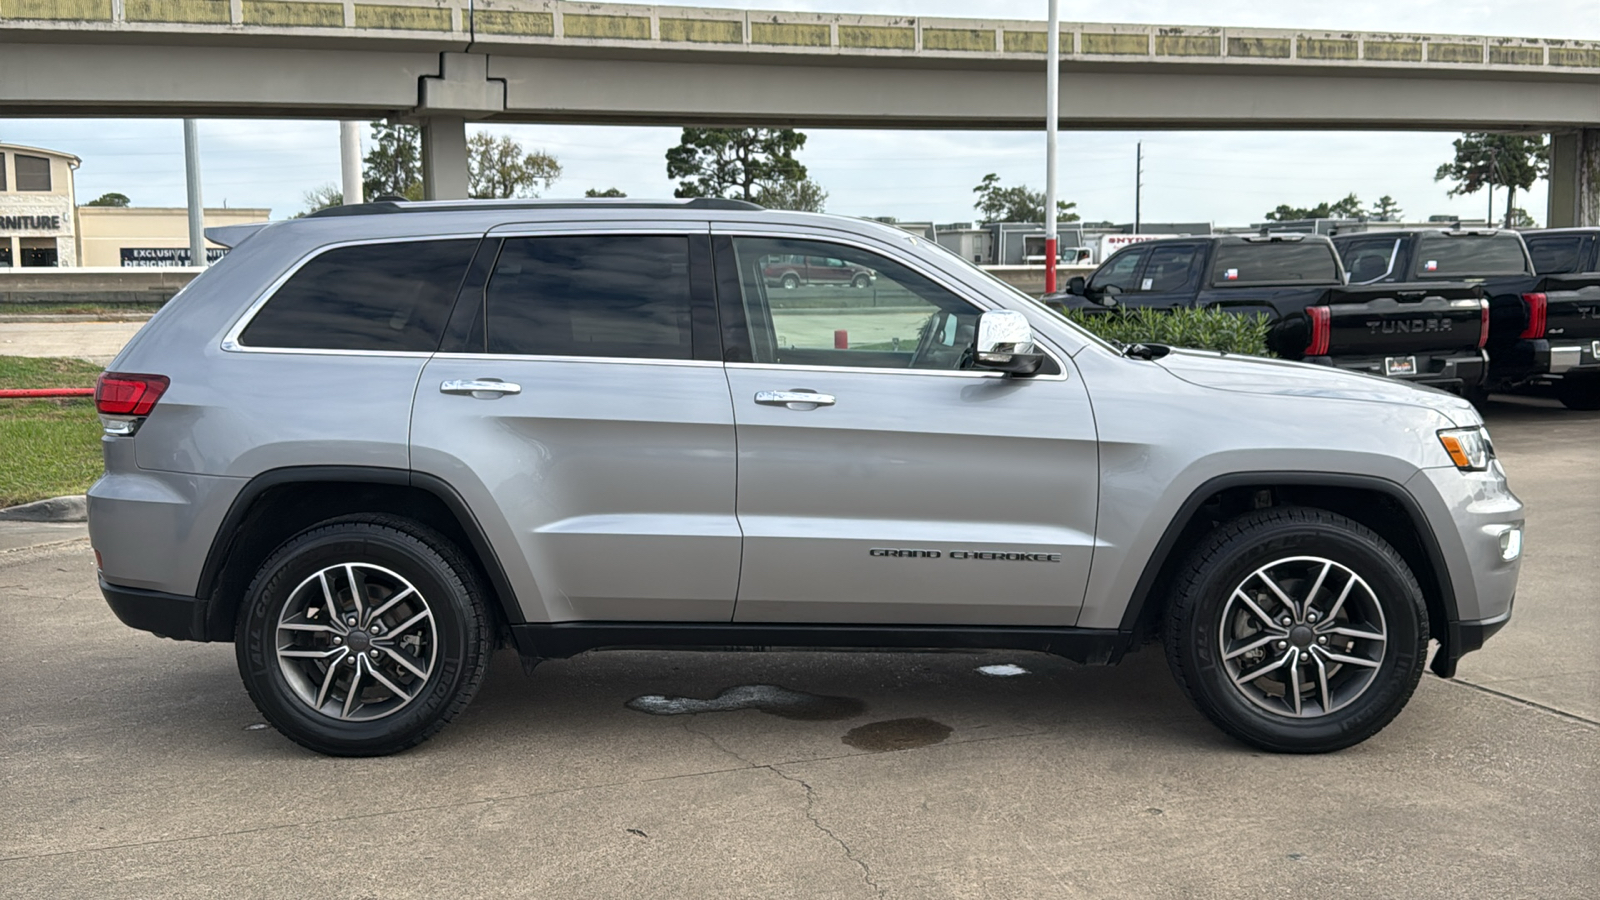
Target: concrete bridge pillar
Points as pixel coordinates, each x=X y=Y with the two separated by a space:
x=1575 y=178
x=444 y=158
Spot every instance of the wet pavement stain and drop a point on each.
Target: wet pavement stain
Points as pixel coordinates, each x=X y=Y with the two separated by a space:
x=768 y=698
x=897 y=734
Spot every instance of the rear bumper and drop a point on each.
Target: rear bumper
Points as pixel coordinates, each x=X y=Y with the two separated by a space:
x=1456 y=370
x=1541 y=359
x=164 y=615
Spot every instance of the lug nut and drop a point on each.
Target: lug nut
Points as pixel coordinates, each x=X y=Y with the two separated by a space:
x=1311 y=618
x=1286 y=621
x=350 y=621
x=337 y=639
x=1323 y=639
x=377 y=628
x=373 y=653
x=350 y=660
x=1283 y=645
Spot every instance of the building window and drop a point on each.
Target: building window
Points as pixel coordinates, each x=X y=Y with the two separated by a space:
x=39 y=253
x=33 y=173
x=2 y=171
x=5 y=255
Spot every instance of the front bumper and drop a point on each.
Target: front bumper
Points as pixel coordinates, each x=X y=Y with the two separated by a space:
x=164 y=615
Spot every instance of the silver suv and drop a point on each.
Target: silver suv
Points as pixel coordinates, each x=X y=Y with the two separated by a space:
x=372 y=444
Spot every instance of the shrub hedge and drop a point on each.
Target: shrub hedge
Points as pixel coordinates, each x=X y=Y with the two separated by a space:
x=1199 y=329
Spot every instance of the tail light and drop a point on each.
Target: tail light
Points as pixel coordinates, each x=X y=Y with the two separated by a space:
x=1483 y=326
x=124 y=399
x=1321 y=330
x=1537 y=305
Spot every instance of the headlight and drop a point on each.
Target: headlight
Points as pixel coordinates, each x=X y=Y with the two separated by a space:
x=1469 y=448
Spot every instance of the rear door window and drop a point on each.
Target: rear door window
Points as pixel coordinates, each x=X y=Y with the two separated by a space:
x=591 y=295
x=1470 y=255
x=1169 y=268
x=1556 y=254
x=1275 y=262
x=390 y=297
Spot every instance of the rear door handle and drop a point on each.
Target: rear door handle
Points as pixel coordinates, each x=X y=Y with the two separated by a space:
x=479 y=386
x=796 y=399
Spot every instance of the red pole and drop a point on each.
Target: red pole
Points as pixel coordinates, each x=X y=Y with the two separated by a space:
x=841 y=340
x=1050 y=265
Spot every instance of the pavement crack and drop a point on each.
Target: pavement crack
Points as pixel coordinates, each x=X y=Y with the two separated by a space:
x=810 y=810
x=1574 y=717
x=716 y=743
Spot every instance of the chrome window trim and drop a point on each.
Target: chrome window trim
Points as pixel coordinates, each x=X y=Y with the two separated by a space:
x=230 y=340
x=608 y=360
x=983 y=304
x=878 y=370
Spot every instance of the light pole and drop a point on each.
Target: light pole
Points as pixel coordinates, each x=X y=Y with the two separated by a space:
x=1052 y=114
x=197 y=213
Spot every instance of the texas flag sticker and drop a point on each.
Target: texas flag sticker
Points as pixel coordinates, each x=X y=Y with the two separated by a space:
x=1231 y=275
x=1431 y=265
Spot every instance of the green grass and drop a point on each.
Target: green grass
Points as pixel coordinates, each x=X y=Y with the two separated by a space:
x=47 y=447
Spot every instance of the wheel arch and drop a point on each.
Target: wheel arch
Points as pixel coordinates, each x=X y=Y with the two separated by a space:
x=1378 y=503
x=279 y=503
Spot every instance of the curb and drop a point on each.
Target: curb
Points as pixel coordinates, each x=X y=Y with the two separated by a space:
x=56 y=509
x=59 y=318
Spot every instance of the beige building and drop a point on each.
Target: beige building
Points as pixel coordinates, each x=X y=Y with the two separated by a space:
x=37 y=223
x=142 y=236
x=41 y=224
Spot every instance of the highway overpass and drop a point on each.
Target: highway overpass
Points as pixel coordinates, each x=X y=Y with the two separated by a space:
x=444 y=62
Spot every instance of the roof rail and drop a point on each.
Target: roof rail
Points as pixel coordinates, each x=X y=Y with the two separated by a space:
x=381 y=207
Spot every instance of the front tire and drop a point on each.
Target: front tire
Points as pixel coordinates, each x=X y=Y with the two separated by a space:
x=860 y=282
x=363 y=636
x=790 y=281
x=1297 y=630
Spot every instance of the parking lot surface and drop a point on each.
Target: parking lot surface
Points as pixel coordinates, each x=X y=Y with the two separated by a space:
x=135 y=766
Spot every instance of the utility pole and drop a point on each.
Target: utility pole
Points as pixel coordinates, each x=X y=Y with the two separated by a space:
x=1051 y=120
x=1138 y=182
x=197 y=213
x=350 y=160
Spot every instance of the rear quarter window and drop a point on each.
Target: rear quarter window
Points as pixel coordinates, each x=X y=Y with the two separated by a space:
x=1470 y=256
x=391 y=297
x=1556 y=255
x=1275 y=263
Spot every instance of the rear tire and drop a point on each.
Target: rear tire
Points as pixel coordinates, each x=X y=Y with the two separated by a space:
x=860 y=282
x=363 y=636
x=1310 y=674
x=1581 y=392
x=790 y=281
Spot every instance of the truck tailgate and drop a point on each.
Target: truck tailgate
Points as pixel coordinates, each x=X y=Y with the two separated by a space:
x=1386 y=320
x=1572 y=306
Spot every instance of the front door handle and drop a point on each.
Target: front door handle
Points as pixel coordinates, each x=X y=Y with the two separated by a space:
x=477 y=386
x=796 y=399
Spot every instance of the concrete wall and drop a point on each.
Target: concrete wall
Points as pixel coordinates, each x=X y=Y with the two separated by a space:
x=92 y=286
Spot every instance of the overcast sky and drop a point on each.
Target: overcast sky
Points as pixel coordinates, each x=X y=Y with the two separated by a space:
x=1228 y=178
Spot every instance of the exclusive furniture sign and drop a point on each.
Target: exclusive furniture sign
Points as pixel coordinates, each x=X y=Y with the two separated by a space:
x=154 y=257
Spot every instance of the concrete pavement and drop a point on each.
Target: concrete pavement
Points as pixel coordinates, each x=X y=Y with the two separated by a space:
x=135 y=766
x=97 y=342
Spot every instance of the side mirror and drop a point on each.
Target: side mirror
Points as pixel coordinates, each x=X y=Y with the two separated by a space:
x=1005 y=343
x=1076 y=285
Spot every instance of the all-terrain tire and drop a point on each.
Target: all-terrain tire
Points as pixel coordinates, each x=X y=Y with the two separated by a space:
x=432 y=643
x=1579 y=392
x=1207 y=622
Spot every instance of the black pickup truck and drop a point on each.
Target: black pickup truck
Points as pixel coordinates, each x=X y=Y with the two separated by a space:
x=1544 y=324
x=1426 y=333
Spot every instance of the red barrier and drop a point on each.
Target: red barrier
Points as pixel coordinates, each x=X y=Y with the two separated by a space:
x=841 y=339
x=35 y=393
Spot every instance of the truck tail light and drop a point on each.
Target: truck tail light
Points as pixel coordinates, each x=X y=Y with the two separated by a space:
x=124 y=399
x=1536 y=304
x=1483 y=326
x=1321 y=330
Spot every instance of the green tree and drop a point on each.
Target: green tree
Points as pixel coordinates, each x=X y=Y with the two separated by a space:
x=322 y=198
x=1348 y=208
x=394 y=165
x=735 y=163
x=1386 y=209
x=998 y=203
x=1513 y=161
x=498 y=168
x=802 y=196
x=608 y=192
x=1519 y=218
x=111 y=199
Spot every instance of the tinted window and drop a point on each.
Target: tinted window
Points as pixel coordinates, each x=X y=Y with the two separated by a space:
x=1469 y=256
x=2 y=171
x=592 y=295
x=1119 y=270
x=1556 y=255
x=1368 y=261
x=1168 y=268
x=390 y=297
x=33 y=173
x=899 y=320
x=1276 y=262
